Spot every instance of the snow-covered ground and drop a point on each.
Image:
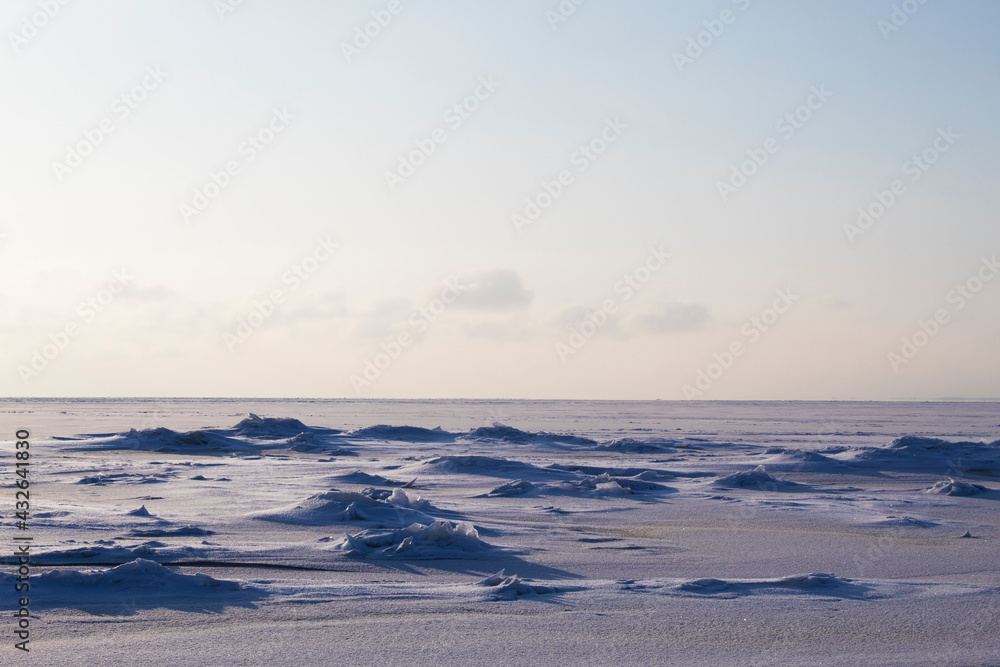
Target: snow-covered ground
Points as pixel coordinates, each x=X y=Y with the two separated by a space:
x=484 y=532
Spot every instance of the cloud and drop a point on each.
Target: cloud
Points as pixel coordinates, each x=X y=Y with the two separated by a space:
x=385 y=317
x=148 y=293
x=500 y=289
x=672 y=318
x=498 y=330
x=574 y=316
x=834 y=302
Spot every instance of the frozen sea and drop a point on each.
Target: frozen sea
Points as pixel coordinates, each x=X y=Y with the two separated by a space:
x=329 y=532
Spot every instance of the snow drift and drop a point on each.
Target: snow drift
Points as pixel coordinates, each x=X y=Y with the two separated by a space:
x=506 y=587
x=139 y=573
x=343 y=506
x=758 y=478
x=508 y=434
x=270 y=428
x=403 y=433
x=440 y=539
x=917 y=453
x=816 y=583
x=950 y=487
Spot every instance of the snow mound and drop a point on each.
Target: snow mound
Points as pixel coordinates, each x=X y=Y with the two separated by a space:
x=894 y=521
x=359 y=477
x=440 y=539
x=398 y=498
x=510 y=587
x=183 y=531
x=343 y=506
x=139 y=573
x=706 y=586
x=413 y=501
x=779 y=458
x=517 y=487
x=141 y=511
x=169 y=441
x=598 y=486
x=758 y=478
x=916 y=443
x=911 y=452
x=124 y=478
x=509 y=434
x=270 y=428
x=108 y=552
x=953 y=488
x=486 y=465
x=814 y=580
x=637 y=473
x=633 y=446
x=403 y=433
x=816 y=583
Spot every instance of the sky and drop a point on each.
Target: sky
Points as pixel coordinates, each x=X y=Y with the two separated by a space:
x=716 y=200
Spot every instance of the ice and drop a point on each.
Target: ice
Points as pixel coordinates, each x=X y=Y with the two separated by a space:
x=137 y=574
x=141 y=511
x=119 y=553
x=182 y=531
x=919 y=453
x=485 y=465
x=602 y=485
x=633 y=446
x=341 y=506
x=637 y=473
x=440 y=539
x=403 y=433
x=816 y=583
x=758 y=479
x=672 y=511
x=361 y=477
x=797 y=460
x=517 y=487
x=953 y=488
x=401 y=498
x=270 y=428
x=125 y=478
x=508 y=434
x=166 y=440
x=508 y=587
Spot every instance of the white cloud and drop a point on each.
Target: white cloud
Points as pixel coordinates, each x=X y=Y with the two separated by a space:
x=499 y=289
x=672 y=317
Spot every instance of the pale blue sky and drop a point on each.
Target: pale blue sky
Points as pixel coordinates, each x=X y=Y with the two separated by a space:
x=169 y=332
